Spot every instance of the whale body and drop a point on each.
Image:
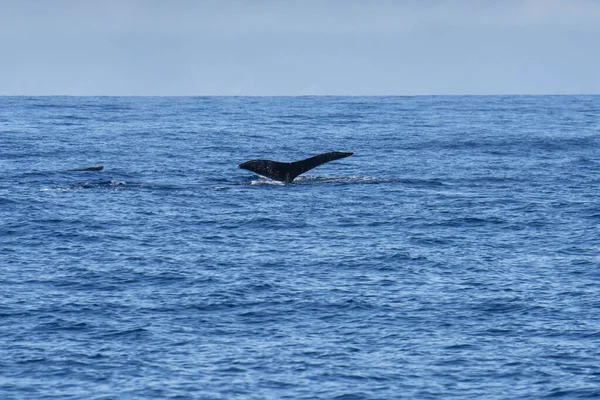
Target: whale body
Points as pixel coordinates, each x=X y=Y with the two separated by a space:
x=288 y=171
x=96 y=168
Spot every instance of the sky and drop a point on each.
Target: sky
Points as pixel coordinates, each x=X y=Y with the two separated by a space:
x=299 y=47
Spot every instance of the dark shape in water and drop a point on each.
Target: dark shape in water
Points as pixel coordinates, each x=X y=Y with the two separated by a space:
x=96 y=168
x=287 y=172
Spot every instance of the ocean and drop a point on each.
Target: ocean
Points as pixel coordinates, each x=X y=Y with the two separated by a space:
x=455 y=255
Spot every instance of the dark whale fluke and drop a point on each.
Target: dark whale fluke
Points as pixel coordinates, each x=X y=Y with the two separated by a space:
x=96 y=168
x=287 y=172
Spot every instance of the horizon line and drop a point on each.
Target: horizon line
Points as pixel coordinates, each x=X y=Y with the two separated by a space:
x=302 y=95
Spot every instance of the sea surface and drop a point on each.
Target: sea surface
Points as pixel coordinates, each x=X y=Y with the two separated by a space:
x=455 y=255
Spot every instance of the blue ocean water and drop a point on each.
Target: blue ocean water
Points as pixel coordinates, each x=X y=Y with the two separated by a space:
x=455 y=255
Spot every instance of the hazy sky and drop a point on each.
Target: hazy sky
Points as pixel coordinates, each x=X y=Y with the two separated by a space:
x=297 y=47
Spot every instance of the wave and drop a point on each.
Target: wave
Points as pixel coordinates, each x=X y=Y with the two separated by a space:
x=99 y=184
x=355 y=179
x=122 y=183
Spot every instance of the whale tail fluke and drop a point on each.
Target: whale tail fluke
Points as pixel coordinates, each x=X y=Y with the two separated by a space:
x=287 y=172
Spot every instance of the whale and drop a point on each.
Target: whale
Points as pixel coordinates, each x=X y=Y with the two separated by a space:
x=96 y=168
x=288 y=171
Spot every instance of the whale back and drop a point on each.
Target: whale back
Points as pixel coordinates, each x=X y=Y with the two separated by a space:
x=96 y=168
